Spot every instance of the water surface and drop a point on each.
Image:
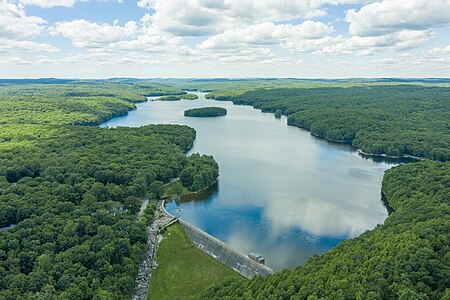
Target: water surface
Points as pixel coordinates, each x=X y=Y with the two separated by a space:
x=281 y=193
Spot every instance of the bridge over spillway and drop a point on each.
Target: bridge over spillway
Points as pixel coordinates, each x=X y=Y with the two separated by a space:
x=223 y=252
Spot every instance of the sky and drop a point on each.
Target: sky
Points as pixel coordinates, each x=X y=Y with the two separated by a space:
x=224 y=38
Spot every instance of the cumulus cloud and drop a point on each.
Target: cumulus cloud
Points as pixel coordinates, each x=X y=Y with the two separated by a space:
x=205 y=17
x=388 y=16
x=369 y=45
x=16 y=28
x=15 y=24
x=147 y=4
x=89 y=34
x=268 y=33
x=107 y=39
x=392 y=25
x=309 y=36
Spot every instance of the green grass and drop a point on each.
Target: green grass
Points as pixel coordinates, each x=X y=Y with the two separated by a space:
x=184 y=271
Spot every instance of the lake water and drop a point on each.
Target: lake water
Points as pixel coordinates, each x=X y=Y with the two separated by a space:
x=281 y=193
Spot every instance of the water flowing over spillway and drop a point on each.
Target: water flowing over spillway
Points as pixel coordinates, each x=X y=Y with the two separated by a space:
x=281 y=193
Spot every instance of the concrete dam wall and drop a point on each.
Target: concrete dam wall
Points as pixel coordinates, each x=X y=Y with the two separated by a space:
x=224 y=253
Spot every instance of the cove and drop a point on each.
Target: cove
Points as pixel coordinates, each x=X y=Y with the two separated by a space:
x=282 y=192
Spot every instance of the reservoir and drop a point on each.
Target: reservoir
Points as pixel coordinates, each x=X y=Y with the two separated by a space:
x=282 y=193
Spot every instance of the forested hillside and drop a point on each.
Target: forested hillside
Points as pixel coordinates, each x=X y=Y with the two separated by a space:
x=84 y=103
x=69 y=194
x=389 y=119
x=72 y=193
x=406 y=258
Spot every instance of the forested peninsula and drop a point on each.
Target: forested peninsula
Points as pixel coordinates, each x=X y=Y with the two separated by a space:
x=72 y=192
x=178 y=98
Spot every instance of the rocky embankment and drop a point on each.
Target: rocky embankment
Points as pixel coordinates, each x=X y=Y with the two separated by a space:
x=149 y=263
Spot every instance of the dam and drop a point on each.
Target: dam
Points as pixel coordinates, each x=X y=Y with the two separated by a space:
x=222 y=252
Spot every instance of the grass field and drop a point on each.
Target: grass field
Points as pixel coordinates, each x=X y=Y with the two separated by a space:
x=184 y=271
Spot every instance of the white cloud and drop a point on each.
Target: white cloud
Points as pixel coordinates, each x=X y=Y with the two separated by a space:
x=15 y=24
x=91 y=35
x=388 y=16
x=144 y=43
x=369 y=45
x=48 y=3
x=246 y=37
x=309 y=36
x=16 y=28
x=440 y=51
x=133 y=38
x=15 y=45
x=268 y=33
x=392 y=25
x=147 y=4
x=205 y=17
x=61 y=3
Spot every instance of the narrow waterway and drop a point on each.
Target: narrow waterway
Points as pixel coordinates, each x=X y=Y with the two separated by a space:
x=281 y=193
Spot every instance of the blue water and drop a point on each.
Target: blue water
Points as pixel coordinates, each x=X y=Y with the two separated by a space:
x=281 y=193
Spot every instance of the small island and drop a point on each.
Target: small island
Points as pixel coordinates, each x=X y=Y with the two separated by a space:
x=206 y=112
x=178 y=98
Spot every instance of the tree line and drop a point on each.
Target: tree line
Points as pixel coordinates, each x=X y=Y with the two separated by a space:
x=394 y=120
x=82 y=103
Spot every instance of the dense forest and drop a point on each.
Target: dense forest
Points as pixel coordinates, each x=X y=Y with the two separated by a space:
x=205 y=112
x=73 y=194
x=200 y=172
x=69 y=194
x=406 y=258
x=387 y=119
x=178 y=98
x=85 y=103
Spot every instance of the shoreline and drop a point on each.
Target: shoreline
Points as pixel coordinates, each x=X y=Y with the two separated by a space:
x=192 y=193
x=389 y=156
x=359 y=150
x=362 y=153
